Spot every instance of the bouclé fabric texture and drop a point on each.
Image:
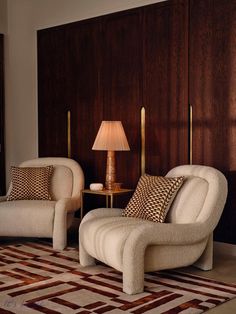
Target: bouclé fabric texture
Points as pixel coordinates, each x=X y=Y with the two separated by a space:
x=135 y=246
x=45 y=218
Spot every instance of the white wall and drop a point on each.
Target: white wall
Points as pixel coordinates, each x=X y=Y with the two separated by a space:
x=25 y=17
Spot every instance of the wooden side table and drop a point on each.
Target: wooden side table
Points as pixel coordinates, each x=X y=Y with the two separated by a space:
x=109 y=194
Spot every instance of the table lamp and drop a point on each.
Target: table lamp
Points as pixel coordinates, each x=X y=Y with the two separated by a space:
x=111 y=137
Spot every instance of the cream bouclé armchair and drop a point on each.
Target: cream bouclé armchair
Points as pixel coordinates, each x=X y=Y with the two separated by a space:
x=134 y=246
x=45 y=218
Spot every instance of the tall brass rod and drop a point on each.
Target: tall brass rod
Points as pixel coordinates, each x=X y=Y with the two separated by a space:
x=190 y=134
x=143 y=141
x=69 y=134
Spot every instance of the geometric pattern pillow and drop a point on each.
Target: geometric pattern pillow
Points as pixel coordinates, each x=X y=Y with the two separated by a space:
x=153 y=197
x=30 y=183
x=160 y=198
x=139 y=197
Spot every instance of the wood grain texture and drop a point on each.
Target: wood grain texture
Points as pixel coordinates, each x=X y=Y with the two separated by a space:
x=162 y=56
x=165 y=75
x=52 y=102
x=213 y=95
x=84 y=93
x=122 y=85
x=2 y=151
x=107 y=68
x=100 y=69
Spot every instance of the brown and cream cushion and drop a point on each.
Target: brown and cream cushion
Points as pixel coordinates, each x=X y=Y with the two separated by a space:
x=30 y=183
x=153 y=197
x=139 y=198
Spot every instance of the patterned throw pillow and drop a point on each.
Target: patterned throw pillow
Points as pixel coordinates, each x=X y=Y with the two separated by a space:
x=139 y=198
x=153 y=197
x=30 y=183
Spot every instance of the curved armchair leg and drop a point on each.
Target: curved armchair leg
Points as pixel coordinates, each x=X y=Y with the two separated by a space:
x=60 y=230
x=205 y=262
x=133 y=266
x=133 y=279
x=84 y=258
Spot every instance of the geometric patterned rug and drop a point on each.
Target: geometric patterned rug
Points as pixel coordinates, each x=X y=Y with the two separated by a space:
x=36 y=279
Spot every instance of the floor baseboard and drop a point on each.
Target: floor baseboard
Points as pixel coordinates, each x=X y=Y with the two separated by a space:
x=221 y=248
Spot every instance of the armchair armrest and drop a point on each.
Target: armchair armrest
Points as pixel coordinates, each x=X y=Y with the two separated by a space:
x=148 y=233
x=63 y=207
x=102 y=212
x=168 y=234
x=68 y=204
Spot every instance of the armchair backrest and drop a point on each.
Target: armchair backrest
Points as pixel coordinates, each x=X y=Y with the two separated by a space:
x=67 y=178
x=201 y=197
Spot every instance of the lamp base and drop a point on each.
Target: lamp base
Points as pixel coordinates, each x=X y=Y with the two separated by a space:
x=111 y=170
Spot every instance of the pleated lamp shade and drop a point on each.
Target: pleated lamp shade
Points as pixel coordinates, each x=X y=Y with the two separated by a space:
x=111 y=137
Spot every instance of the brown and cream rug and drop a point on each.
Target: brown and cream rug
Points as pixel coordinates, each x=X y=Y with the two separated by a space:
x=36 y=279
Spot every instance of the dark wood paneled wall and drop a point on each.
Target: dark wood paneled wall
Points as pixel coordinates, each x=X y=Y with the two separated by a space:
x=213 y=96
x=165 y=77
x=161 y=56
x=107 y=68
x=84 y=93
x=2 y=151
x=121 y=79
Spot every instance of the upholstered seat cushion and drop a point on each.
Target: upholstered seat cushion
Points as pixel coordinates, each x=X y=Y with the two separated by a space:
x=107 y=236
x=135 y=246
x=27 y=218
x=105 y=239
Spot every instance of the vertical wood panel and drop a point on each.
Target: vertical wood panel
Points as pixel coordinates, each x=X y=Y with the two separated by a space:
x=212 y=81
x=84 y=94
x=165 y=85
x=100 y=69
x=52 y=103
x=213 y=95
x=109 y=67
x=2 y=150
x=122 y=85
